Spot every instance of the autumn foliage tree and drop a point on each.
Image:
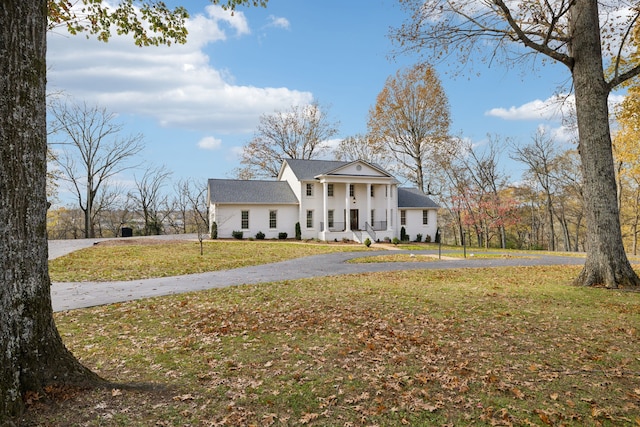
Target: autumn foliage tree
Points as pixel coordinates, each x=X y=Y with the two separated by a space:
x=411 y=118
x=627 y=156
x=585 y=36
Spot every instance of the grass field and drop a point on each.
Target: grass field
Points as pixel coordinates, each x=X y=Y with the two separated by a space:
x=133 y=259
x=500 y=346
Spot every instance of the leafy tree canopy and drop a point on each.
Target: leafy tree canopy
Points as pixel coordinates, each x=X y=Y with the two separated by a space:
x=151 y=23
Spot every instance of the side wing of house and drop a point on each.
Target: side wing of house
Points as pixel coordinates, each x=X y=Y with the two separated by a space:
x=252 y=207
x=418 y=214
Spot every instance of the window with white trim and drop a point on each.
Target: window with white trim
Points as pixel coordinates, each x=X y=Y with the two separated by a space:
x=352 y=191
x=425 y=217
x=330 y=218
x=244 y=220
x=373 y=192
x=310 y=218
x=330 y=190
x=403 y=217
x=273 y=219
x=309 y=190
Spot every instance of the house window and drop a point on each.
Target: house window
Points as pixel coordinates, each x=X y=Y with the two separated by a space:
x=403 y=217
x=373 y=193
x=386 y=191
x=273 y=219
x=330 y=219
x=425 y=217
x=373 y=220
x=352 y=192
x=244 y=223
x=330 y=190
x=309 y=190
x=309 y=219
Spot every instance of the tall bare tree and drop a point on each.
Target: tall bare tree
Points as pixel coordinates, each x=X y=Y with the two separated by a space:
x=411 y=118
x=190 y=206
x=541 y=158
x=91 y=150
x=363 y=147
x=583 y=35
x=150 y=199
x=301 y=132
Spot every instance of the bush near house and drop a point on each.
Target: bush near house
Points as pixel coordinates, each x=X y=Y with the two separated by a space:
x=282 y=236
x=298 y=231
x=214 y=230
x=259 y=235
x=237 y=234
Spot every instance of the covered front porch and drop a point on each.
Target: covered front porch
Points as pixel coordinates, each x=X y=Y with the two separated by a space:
x=357 y=211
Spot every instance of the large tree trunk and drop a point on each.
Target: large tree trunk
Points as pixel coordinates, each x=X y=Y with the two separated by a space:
x=32 y=353
x=606 y=263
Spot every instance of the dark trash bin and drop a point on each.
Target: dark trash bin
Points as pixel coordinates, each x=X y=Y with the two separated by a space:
x=127 y=232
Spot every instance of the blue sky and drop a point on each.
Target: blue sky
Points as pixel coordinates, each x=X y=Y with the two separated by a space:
x=198 y=104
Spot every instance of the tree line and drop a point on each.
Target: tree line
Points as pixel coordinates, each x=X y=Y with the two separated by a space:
x=86 y=151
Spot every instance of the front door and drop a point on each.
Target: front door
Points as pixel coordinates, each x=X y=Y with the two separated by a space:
x=354 y=219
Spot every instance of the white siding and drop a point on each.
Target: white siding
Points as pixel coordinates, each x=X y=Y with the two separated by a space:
x=414 y=225
x=365 y=170
x=228 y=219
x=313 y=203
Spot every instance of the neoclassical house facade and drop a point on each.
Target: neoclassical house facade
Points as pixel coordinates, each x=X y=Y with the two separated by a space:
x=331 y=200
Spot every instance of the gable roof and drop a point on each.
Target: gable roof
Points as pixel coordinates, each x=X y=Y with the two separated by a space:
x=236 y=191
x=414 y=198
x=307 y=170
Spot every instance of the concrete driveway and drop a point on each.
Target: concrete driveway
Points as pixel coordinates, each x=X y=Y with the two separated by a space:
x=67 y=296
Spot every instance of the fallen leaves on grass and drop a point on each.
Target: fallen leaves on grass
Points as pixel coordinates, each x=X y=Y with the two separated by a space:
x=486 y=346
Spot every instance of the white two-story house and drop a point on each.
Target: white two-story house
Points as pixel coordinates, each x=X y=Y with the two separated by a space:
x=331 y=200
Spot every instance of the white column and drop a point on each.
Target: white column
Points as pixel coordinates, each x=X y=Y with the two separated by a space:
x=368 y=216
x=347 y=208
x=389 y=222
x=325 y=212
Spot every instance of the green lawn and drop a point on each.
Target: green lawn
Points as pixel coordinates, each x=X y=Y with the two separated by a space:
x=143 y=259
x=486 y=346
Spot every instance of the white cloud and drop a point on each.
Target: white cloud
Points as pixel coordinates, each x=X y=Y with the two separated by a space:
x=176 y=85
x=557 y=108
x=278 y=22
x=553 y=108
x=210 y=143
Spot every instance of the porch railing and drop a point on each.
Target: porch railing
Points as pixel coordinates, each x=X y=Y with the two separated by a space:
x=371 y=231
x=336 y=226
x=379 y=225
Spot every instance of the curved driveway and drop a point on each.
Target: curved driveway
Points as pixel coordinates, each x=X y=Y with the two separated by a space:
x=66 y=296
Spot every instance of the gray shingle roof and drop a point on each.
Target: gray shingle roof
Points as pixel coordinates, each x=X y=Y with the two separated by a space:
x=414 y=198
x=236 y=191
x=306 y=170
